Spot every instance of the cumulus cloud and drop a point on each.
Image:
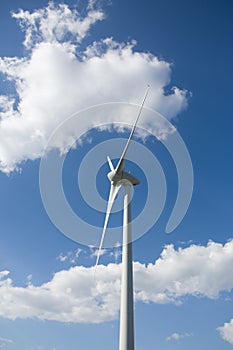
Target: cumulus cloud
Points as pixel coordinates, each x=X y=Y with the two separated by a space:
x=196 y=270
x=54 y=23
x=178 y=336
x=226 y=331
x=58 y=76
x=76 y=294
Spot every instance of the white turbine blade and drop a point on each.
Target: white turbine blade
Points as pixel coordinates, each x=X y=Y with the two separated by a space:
x=112 y=195
x=110 y=163
x=121 y=161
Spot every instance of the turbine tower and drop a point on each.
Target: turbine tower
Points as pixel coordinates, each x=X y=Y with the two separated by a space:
x=118 y=177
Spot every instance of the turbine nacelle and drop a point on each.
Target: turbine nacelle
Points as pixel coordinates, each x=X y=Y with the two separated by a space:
x=122 y=176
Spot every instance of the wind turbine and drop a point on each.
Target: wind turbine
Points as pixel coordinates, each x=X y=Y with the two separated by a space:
x=118 y=177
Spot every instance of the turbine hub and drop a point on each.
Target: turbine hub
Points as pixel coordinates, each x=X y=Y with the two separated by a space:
x=122 y=175
x=111 y=175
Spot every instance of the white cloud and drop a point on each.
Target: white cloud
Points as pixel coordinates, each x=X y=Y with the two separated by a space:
x=196 y=270
x=29 y=279
x=70 y=296
x=57 y=78
x=226 y=331
x=71 y=256
x=96 y=251
x=116 y=253
x=178 y=336
x=75 y=295
x=4 y=342
x=53 y=23
x=62 y=257
x=3 y=274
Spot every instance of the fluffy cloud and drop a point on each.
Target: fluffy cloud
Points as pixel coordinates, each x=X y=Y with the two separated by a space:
x=57 y=78
x=52 y=24
x=71 y=296
x=226 y=331
x=75 y=295
x=196 y=270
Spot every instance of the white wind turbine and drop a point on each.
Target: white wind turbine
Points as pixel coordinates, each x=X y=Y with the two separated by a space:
x=118 y=178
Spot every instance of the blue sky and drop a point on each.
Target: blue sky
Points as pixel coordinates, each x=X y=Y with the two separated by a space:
x=183 y=281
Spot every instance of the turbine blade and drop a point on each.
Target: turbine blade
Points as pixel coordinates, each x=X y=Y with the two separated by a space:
x=120 y=164
x=110 y=163
x=112 y=195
